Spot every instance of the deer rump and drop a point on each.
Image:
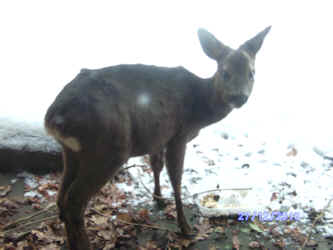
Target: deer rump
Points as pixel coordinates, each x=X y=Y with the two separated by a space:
x=132 y=108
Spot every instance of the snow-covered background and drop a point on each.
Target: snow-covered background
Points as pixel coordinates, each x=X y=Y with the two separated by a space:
x=44 y=44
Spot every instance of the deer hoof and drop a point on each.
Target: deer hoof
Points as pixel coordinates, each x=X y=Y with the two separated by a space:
x=160 y=201
x=186 y=229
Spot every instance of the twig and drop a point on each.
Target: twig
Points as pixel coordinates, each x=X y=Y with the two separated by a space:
x=13 y=224
x=98 y=212
x=133 y=166
x=141 y=182
x=149 y=226
x=328 y=158
x=31 y=223
x=21 y=235
x=321 y=153
x=131 y=223
x=319 y=216
x=143 y=225
x=194 y=195
x=215 y=190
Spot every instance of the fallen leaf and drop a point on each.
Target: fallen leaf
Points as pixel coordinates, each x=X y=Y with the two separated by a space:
x=297 y=235
x=22 y=245
x=107 y=235
x=209 y=201
x=219 y=229
x=4 y=190
x=292 y=152
x=4 y=202
x=99 y=220
x=144 y=213
x=109 y=245
x=254 y=244
x=235 y=240
x=280 y=243
x=255 y=227
x=124 y=217
x=203 y=230
x=37 y=206
x=274 y=196
x=312 y=243
x=150 y=246
x=170 y=211
x=50 y=247
x=185 y=242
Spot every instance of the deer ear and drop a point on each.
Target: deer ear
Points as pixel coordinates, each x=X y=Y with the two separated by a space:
x=254 y=44
x=211 y=46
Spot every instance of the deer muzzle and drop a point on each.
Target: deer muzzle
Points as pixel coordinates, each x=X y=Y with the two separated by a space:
x=238 y=100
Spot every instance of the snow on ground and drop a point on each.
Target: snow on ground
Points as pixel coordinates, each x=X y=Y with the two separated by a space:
x=253 y=175
x=248 y=172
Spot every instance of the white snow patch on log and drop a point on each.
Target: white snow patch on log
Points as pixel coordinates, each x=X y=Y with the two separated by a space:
x=24 y=135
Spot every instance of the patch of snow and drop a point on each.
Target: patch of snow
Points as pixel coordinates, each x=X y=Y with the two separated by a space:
x=32 y=194
x=51 y=193
x=29 y=180
x=26 y=135
x=248 y=173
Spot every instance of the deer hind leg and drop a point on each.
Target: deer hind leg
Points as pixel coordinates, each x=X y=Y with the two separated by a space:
x=93 y=173
x=157 y=163
x=71 y=165
x=174 y=162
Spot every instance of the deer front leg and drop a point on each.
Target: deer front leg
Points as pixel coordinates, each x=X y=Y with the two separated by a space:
x=157 y=163
x=174 y=161
x=71 y=165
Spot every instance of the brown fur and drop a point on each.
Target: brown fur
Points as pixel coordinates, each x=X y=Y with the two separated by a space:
x=105 y=116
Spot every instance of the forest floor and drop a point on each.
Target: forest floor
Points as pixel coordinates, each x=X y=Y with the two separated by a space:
x=31 y=222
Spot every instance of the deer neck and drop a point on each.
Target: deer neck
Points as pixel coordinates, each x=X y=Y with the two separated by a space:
x=213 y=107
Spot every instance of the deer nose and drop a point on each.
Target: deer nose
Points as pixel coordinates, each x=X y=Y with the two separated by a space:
x=238 y=100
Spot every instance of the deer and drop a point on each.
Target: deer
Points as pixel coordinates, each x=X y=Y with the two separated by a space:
x=105 y=116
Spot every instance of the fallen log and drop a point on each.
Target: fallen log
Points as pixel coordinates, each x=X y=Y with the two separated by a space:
x=25 y=146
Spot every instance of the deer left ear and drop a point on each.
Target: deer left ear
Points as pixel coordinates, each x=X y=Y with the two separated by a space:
x=253 y=45
x=211 y=46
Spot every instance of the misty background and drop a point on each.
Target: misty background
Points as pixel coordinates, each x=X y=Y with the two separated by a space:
x=44 y=44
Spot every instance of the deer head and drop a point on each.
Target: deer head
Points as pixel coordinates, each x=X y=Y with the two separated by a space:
x=233 y=81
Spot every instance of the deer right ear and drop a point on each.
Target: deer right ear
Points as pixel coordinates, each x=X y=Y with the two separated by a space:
x=253 y=45
x=211 y=46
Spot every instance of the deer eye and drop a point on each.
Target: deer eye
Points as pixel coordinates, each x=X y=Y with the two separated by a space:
x=226 y=76
x=251 y=75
